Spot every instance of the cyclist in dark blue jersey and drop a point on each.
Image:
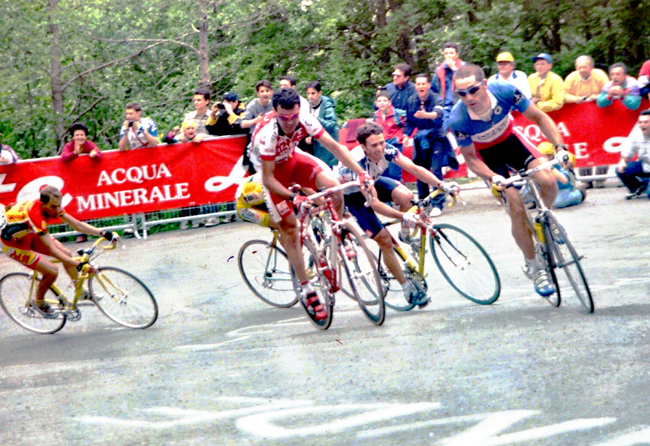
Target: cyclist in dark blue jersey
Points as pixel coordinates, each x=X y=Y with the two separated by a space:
x=374 y=156
x=492 y=147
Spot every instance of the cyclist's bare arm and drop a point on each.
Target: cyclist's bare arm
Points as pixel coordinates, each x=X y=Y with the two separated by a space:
x=271 y=183
x=545 y=123
x=341 y=152
x=418 y=172
x=475 y=164
x=80 y=226
x=383 y=209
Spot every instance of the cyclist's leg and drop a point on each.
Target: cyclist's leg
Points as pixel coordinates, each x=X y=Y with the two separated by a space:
x=37 y=245
x=398 y=193
x=519 y=150
x=281 y=210
x=22 y=253
x=546 y=181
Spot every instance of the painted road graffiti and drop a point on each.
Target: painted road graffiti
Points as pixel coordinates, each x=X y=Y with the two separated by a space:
x=264 y=418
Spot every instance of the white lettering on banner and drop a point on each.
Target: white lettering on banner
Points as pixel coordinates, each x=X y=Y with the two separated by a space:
x=613 y=145
x=135 y=174
x=563 y=129
x=126 y=198
x=235 y=177
x=4 y=188
x=279 y=419
x=533 y=132
x=580 y=150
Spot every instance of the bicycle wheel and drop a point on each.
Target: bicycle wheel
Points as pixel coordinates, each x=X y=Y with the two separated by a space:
x=266 y=271
x=14 y=297
x=319 y=283
x=567 y=259
x=361 y=272
x=123 y=298
x=465 y=264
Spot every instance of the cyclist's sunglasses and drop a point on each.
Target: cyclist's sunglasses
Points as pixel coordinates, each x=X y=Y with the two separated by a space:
x=471 y=90
x=288 y=117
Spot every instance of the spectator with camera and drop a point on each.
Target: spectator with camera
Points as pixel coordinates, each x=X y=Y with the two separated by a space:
x=227 y=116
x=79 y=145
x=137 y=132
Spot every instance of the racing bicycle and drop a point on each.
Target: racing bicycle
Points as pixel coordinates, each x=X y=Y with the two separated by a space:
x=463 y=262
x=120 y=295
x=552 y=244
x=265 y=268
x=333 y=247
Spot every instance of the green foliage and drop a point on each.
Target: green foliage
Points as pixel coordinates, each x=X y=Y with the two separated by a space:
x=114 y=52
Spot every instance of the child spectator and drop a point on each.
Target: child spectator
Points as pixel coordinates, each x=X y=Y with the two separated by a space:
x=393 y=124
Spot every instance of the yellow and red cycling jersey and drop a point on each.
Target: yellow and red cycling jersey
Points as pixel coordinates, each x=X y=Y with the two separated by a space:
x=24 y=218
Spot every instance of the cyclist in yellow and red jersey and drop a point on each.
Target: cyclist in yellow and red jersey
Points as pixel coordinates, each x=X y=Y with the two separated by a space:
x=274 y=152
x=24 y=236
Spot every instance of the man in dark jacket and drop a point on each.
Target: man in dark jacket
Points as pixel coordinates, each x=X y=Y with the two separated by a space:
x=424 y=113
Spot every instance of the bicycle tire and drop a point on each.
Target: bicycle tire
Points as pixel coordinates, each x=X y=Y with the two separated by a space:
x=14 y=296
x=267 y=272
x=361 y=272
x=464 y=264
x=321 y=286
x=567 y=259
x=123 y=298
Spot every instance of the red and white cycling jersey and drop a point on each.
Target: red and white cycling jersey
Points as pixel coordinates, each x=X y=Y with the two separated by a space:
x=270 y=143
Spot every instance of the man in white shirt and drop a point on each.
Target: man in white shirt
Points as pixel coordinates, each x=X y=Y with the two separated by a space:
x=634 y=174
x=507 y=73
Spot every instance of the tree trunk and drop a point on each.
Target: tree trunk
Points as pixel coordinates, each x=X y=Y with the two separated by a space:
x=55 y=74
x=204 y=58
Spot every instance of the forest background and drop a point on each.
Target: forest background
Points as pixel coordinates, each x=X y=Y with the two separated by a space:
x=71 y=60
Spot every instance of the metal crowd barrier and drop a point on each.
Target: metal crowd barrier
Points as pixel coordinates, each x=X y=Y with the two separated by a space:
x=139 y=224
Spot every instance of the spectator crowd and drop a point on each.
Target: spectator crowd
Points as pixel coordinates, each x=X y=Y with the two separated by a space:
x=413 y=106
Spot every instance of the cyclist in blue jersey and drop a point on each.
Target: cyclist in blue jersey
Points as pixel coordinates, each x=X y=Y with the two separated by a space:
x=492 y=147
x=374 y=156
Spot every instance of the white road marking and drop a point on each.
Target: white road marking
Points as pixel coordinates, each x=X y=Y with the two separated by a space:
x=629 y=439
x=186 y=417
x=204 y=347
x=260 y=424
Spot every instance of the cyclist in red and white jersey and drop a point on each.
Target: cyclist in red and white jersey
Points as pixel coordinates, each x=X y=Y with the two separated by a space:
x=274 y=152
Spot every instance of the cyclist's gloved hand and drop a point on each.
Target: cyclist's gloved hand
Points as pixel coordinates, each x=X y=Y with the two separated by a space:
x=562 y=155
x=108 y=235
x=365 y=180
x=497 y=184
x=410 y=219
x=450 y=188
x=298 y=200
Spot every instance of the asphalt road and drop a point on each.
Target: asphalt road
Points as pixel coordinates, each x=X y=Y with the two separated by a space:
x=222 y=368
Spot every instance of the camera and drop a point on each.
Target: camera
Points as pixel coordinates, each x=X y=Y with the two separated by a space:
x=220 y=106
x=131 y=123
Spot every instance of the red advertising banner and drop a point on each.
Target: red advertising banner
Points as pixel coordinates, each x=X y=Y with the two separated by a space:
x=143 y=180
x=591 y=133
